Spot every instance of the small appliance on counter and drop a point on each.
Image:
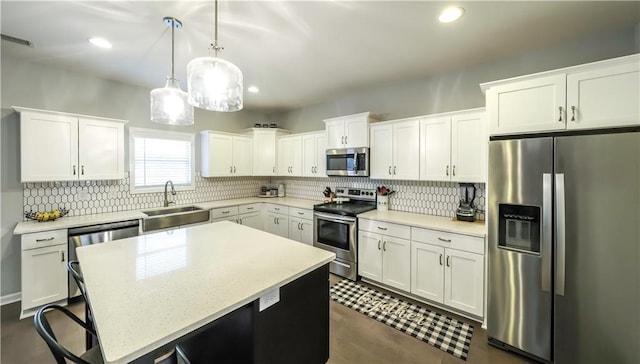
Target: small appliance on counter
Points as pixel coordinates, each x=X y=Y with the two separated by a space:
x=466 y=211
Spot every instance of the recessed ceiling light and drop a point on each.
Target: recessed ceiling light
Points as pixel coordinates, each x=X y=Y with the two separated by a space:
x=100 y=42
x=253 y=89
x=451 y=14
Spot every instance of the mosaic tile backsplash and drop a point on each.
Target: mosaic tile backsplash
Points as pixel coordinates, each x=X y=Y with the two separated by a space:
x=94 y=197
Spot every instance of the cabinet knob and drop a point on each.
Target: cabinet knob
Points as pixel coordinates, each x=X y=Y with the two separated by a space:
x=448 y=256
x=573 y=113
x=342 y=140
x=447 y=171
x=62 y=256
x=389 y=170
x=454 y=170
x=384 y=246
x=74 y=169
x=346 y=139
x=440 y=259
x=379 y=244
x=394 y=170
x=82 y=170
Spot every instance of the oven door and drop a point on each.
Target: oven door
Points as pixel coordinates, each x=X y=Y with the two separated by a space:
x=337 y=234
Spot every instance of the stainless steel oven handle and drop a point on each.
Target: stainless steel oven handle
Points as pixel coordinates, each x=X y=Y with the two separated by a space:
x=334 y=218
x=342 y=264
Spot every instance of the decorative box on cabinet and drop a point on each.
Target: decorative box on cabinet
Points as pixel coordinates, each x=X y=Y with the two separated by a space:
x=265 y=150
x=448 y=268
x=395 y=149
x=57 y=146
x=384 y=253
x=453 y=147
x=314 y=151
x=602 y=94
x=350 y=131
x=44 y=269
x=224 y=155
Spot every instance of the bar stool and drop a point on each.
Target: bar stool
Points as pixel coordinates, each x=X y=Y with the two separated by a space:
x=73 y=267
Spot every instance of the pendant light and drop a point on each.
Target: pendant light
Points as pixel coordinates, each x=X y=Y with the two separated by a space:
x=213 y=83
x=170 y=104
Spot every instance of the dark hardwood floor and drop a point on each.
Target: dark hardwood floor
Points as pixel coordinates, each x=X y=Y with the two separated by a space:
x=355 y=339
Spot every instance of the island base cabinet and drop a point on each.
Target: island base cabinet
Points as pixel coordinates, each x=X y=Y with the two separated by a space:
x=293 y=330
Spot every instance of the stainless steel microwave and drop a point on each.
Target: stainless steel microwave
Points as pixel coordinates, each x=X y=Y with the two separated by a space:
x=348 y=162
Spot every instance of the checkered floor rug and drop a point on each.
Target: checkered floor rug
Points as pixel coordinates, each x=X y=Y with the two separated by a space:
x=447 y=334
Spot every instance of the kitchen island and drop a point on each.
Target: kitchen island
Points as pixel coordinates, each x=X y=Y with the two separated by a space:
x=183 y=286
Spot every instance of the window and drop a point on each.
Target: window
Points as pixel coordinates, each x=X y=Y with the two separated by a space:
x=158 y=156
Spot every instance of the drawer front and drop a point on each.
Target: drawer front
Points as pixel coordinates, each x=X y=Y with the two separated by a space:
x=301 y=213
x=278 y=209
x=245 y=209
x=224 y=212
x=385 y=228
x=45 y=238
x=467 y=243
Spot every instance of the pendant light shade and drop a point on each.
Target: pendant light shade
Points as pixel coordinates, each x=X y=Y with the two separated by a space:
x=170 y=104
x=213 y=83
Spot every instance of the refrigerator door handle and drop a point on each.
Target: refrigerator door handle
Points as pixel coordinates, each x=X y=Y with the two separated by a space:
x=547 y=214
x=560 y=234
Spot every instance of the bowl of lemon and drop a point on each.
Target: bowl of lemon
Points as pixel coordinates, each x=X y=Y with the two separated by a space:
x=46 y=215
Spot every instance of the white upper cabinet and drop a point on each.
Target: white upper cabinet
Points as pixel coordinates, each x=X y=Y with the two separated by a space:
x=395 y=150
x=349 y=131
x=224 y=155
x=314 y=147
x=597 y=95
x=265 y=150
x=453 y=147
x=290 y=156
x=64 y=147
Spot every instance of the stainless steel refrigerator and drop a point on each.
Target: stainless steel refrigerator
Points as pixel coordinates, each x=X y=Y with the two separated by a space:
x=564 y=247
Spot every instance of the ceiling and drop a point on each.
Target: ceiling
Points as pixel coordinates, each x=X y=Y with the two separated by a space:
x=297 y=52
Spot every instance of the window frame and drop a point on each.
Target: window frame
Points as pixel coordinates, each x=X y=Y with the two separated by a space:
x=159 y=134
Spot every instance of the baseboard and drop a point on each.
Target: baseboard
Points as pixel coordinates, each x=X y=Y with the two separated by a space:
x=10 y=298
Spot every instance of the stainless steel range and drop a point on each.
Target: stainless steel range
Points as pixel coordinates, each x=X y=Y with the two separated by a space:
x=336 y=227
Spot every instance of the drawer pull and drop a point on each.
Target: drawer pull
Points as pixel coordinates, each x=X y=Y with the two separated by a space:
x=445 y=240
x=249 y=208
x=382 y=228
x=226 y=212
x=276 y=208
x=47 y=239
x=300 y=213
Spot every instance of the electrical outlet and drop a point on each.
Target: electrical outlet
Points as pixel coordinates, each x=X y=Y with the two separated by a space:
x=112 y=192
x=83 y=194
x=269 y=299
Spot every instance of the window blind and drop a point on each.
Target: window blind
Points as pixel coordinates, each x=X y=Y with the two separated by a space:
x=158 y=160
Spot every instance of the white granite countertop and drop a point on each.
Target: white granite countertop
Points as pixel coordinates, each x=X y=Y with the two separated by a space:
x=149 y=290
x=26 y=227
x=477 y=228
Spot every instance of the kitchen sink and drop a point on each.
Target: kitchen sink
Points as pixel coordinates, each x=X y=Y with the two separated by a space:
x=164 y=218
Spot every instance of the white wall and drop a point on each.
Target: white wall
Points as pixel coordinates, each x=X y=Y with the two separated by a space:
x=457 y=89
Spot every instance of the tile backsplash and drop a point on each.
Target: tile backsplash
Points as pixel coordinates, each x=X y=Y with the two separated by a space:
x=94 y=197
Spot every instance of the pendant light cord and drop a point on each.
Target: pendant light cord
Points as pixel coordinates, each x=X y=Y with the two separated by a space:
x=173 y=28
x=216 y=47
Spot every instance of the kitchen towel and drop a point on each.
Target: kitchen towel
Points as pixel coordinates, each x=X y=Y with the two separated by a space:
x=447 y=334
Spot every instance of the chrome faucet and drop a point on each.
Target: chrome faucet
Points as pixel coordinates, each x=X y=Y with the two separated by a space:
x=173 y=192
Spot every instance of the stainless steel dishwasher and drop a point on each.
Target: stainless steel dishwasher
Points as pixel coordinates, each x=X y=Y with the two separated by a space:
x=96 y=234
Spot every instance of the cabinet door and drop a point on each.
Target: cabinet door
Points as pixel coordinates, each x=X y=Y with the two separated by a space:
x=335 y=133
x=427 y=271
x=381 y=160
x=396 y=262
x=217 y=155
x=306 y=231
x=296 y=156
x=253 y=220
x=370 y=255
x=464 y=281
x=44 y=275
x=101 y=149
x=294 y=229
x=321 y=155
x=435 y=148
x=309 y=155
x=242 y=156
x=604 y=98
x=356 y=132
x=527 y=106
x=284 y=156
x=48 y=147
x=264 y=153
x=468 y=148
x=406 y=150
x=277 y=224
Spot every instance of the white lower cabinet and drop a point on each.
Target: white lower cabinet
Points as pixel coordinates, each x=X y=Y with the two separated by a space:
x=449 y=269
x=44 y=269
x=301 y=225
x=382 y=257
x=276 y=220
x=250 y=215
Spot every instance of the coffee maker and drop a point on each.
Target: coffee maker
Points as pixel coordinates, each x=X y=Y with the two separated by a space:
x=466 y=211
